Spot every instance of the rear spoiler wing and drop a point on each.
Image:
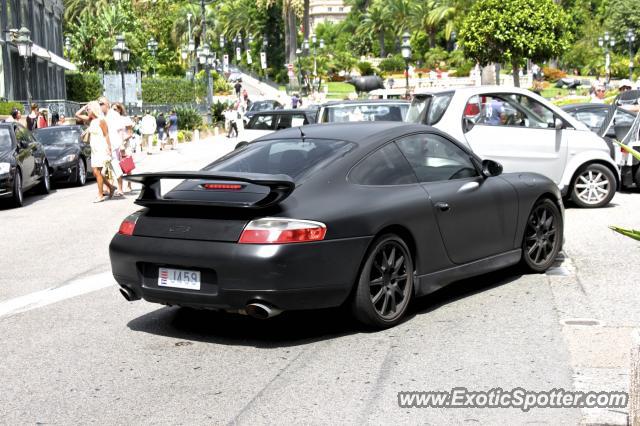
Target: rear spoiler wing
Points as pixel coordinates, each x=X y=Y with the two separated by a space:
x=280 y=187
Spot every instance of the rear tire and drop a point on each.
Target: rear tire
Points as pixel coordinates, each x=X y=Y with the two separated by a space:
x=45 y=184
x=385 y=284
x=542 y=236
x=594 y=186
x=17 y=197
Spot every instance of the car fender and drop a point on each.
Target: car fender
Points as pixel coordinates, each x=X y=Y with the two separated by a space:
x=576 y=161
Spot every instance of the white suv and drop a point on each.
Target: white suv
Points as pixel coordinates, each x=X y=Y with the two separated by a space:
x=525 y=133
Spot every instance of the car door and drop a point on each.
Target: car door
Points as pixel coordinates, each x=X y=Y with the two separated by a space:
x=26 y=156
x=39 y=156
x=476 y=215
x=517 y=131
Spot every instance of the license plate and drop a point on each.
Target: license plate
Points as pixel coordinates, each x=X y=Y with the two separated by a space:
x=179 y=278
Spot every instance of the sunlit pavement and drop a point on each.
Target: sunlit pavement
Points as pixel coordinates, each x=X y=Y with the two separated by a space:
x=74 y=351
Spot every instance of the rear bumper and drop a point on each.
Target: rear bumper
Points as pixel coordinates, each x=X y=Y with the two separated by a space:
x=289 y=277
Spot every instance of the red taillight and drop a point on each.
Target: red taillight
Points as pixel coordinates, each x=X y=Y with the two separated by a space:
x=282 y=231
x=129 y=224
x=222 y=186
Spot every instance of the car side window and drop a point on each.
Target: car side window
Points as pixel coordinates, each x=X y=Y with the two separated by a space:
x=593 y=118
x=284 y=122
x=435 y=158
x=508 y=110
x=262 y=122
x=298 y=120
x=623 y=118
x=386 y=166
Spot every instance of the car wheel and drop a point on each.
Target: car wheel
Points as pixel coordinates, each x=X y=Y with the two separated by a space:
x=542 y=236
x=81 y=173
x=18 y=193
x=385 y=284
x=45 y=183
x=594 y=186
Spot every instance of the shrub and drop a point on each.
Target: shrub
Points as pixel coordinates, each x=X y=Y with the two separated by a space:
x=188 y=135
x=188 y=118
x=464 y=69
x=394 y=63
x=180 y=136
x=83 y=87
x=217 y=110
x=221 y=87
x=365 y=68
x=168 y=90
x=553 y=74
x=7 y=107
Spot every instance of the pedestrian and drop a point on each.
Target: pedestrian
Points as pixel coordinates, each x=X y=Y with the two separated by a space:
x=231 y=116
x=125 y=130
x=62 y=121
x=161 y=123
x=100 y=145
x=55 y=119
x=43 y=119
x=598 y=94
x=295 y=101
x=147 y=130
x=32 y=118
x=238 y=88
x=173 y=129
x=114 y=124
x=15 y=117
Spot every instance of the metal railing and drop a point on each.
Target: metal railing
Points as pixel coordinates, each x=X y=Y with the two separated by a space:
x=61 y=106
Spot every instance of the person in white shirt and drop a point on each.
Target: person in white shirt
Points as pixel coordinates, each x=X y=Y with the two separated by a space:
x=114 y=123
x=598 y=94
x=148 y=130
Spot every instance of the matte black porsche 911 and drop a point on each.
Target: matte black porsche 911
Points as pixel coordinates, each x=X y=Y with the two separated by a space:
x=370 y=214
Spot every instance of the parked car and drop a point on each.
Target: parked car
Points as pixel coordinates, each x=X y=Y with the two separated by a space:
x=69 y=158
x=387 y=94
x=525 y=133
x=363 y=110
x=368 y=214
x=23 y=164
x=265 y=122
x=258 y=106
x=612 y=123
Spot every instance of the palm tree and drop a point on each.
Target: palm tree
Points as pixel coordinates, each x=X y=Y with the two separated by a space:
x=73 y=9
x=375 y=21
x=420 y=19
x=447 y=12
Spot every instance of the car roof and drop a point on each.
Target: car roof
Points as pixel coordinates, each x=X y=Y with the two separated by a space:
x=64 y=127
x=364 y=133
x=473 y=90
x=366 y=101
x=585 y=105
x=285 y=111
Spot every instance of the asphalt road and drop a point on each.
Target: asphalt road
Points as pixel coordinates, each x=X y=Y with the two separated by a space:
x=74 y=351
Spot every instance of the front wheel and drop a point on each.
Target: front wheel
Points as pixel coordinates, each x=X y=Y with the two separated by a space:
x=385 y=283
x=542 y=236
x=594 y=186
x=45 y=183
x=81 y=173
x=18 y=192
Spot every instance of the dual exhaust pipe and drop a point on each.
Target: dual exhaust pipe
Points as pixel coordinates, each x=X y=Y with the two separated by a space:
x=254 y=310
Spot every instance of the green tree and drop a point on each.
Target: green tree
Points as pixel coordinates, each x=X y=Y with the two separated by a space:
x=514 y=30
x=375 y=21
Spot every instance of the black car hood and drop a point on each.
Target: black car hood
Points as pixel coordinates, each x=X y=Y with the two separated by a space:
x=56 y=151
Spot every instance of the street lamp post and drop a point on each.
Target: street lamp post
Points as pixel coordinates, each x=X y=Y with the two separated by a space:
x=121 y=55
x=406 y=55
x=605 y=42
x=24 y=49
x=630 y=37
x=152 y=46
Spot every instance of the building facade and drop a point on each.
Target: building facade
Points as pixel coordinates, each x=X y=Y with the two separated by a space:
x=327 y=11
x=47 y=65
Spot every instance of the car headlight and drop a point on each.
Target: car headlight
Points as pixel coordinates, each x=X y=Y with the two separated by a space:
x=4 y=168
x=66 y=159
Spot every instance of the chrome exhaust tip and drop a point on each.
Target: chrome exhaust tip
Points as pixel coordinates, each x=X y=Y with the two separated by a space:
x=261 y=310
x=128 y=294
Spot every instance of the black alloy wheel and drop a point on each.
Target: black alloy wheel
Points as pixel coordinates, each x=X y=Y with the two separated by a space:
x=18 y=194
x=45 y=183
x=542 y=236
x=385 y=284
x=81 y=173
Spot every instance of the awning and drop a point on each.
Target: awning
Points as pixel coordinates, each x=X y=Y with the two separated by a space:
x=52 y=57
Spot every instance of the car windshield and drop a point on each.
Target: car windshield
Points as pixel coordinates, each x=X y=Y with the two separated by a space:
x=260 y=106
x=292 y=157
x=58 y=137
x=365 y=112
x=434 y=104
x=5 y=139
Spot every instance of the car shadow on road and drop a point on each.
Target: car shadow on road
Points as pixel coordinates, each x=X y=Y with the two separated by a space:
x=295 y=327
x=30 y=197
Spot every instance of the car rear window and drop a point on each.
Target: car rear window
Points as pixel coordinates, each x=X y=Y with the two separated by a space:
x=292 y=157
x=365 y=112
x=429 y=109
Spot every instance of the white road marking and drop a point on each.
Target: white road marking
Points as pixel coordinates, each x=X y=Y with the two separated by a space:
x=52 y=295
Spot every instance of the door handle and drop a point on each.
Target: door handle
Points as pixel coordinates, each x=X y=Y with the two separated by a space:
x=442 y=206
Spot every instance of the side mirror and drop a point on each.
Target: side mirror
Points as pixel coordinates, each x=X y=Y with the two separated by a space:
x=467 y=124
x=557 y=123
x=491 y=168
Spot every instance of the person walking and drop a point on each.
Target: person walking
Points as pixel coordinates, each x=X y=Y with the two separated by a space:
x=161 y=124
x=238 y=88
x=32 y=118
x=15 y=117
x=100 y=145
x=114 y=124
x=43 y=119
x=231 y=116
x=125 y=130
x=173 y=129
x=147 y=130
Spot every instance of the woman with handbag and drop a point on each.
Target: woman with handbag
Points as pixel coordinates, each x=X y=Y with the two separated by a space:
x=125 y=129
x=100 y=146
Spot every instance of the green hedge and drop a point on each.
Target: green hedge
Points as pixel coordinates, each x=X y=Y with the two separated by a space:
x=394 y=63
x=168 y=90
x=83 y=87
x=7 y=107
x=188 y=118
